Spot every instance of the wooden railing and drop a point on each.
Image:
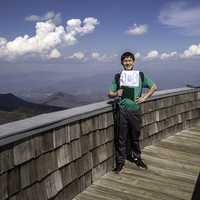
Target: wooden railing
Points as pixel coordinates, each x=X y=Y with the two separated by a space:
x=58 y=155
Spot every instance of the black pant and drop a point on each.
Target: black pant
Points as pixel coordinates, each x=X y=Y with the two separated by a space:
x=196 y=193
x=129 y=132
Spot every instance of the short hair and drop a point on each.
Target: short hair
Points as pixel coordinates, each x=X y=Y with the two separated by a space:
x=127 y=54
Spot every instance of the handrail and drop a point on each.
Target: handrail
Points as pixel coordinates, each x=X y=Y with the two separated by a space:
x=20 y=129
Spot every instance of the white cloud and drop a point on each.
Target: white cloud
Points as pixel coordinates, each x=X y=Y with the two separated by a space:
x=192 y=51
x=95 y=55
x=74 y=26
x=33 y=18
x=77 y=55
x=137 y=30
x=165 y=56
x=102 y=57
x=3 y=41
x=47 y=37
x=89 y=25
x=152 y=55
x=51 y=15
x=54 y=54
x=137 y=55
x=92 y=56
x=181 y=15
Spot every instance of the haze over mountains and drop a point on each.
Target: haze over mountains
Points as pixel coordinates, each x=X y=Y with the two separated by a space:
x=67 y=100
x=14 y=108
x=38 y=85
x=65 y=91
x=46 y=83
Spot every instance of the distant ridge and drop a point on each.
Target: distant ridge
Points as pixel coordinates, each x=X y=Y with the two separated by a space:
x=14 y=108
x=66 y=100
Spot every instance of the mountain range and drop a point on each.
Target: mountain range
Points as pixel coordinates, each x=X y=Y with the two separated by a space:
x=13 y=108
x=66 y=100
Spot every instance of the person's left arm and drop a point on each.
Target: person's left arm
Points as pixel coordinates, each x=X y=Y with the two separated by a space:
x=148 y=83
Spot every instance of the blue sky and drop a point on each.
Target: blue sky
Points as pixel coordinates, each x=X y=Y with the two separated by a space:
x=91 y=35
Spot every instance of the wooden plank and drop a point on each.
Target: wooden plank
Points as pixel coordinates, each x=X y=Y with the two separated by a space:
x=190 y=135
x=194 y=130
x=173 y=155
x=114 y=193
x=88 y=195
x=157 y=187
x=155 y=174
x=178 y=146
x=173 y=167
x=187 y=140
x=137 y=187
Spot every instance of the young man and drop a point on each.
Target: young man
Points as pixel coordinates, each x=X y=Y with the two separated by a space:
x=127 y=86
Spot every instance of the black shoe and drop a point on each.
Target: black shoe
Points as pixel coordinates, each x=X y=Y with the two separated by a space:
x=118 y=168
x=130 y=158
x=138 y=161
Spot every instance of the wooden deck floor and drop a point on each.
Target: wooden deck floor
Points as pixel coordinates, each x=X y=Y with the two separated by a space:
x=173 y=167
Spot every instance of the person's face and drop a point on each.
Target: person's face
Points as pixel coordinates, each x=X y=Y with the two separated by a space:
x=128 y=63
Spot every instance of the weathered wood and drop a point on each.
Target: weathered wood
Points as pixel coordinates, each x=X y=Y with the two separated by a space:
x=173 y=155
x=173 y=167
x=156 y=177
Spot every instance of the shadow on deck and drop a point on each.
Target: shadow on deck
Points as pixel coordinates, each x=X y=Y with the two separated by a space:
x=173 y=168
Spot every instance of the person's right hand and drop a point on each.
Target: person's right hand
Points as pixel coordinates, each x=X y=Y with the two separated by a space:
x=119 y=92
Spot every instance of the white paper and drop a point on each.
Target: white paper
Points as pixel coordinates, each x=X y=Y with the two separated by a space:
x=129 y=78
